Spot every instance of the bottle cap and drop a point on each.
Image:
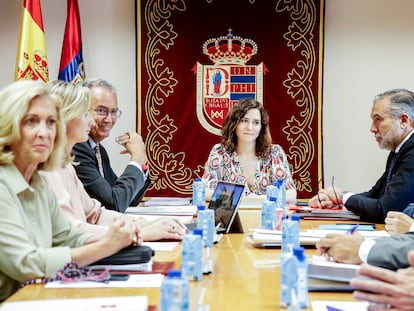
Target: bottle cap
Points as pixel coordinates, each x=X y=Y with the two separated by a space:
x=272 y=199
x=198 y=231
x=299 y=252
x=295 y=217
x=201 y=207
x=174 y=273
x=198 y=179
x=279 y=183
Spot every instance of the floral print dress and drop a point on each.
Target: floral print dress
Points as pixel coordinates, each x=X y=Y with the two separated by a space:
x=223 y=166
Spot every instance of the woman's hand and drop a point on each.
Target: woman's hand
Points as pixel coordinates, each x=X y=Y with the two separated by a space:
x=163 y=228
x=122 y=233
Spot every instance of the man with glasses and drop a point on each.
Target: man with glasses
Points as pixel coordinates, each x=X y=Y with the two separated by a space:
x=392 y=117
x=94 y=169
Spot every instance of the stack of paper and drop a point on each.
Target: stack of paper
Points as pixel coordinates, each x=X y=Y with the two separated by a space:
x=320 y=268
x=128 y=303
x=306 y=212
x=171 y=210
x=167 y=201
x=273 y=238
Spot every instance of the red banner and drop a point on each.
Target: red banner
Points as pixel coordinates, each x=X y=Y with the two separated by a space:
x=187 y=85
x=71 y=67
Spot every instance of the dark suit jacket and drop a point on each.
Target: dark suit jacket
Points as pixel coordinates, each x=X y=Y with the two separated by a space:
x=115 y=193
x=374 y=204
x=391 y=253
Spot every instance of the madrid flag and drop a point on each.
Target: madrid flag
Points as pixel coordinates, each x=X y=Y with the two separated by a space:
x=71 y=62
x=31 y=59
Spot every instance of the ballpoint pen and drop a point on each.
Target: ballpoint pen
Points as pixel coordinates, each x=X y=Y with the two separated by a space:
x=352 y=229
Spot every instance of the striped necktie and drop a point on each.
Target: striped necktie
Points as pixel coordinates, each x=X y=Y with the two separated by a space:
x=99 y=158
x=391 y=167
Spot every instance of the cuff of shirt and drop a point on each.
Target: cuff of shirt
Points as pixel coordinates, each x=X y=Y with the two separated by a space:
x=365 y=248
x=139 y=166
x=346 y=196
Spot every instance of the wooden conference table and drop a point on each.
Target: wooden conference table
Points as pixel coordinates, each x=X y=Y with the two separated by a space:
x=244 y=278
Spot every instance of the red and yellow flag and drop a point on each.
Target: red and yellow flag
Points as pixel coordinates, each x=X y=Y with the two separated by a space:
x=31 y=59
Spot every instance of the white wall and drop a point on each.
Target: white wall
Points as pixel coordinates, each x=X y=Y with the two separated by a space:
x=108 y=35
x=369 y=48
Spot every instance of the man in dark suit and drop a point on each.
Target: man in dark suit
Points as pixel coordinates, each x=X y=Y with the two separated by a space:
x=392 y=117
x=94 y=169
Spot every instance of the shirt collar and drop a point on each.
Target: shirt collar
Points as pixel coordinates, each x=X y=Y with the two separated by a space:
x=16 y=181
x=92 y=143
x=404 y=140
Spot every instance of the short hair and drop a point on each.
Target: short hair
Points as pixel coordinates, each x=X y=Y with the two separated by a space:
x=401 y=101
x=236 y=113
x=15 y=99
x=76 y=101
x=91 y=83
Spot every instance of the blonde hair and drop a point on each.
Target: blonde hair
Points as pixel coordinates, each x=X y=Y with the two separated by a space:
x=15 y=99
x=76 y=101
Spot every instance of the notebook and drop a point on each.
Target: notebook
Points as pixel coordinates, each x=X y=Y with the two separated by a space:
x=225 y=202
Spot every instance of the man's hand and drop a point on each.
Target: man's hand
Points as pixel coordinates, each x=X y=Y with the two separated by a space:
x=341 y=247
x=134 y=145
x=397 y=222
x=326 y=198
x=386 y=289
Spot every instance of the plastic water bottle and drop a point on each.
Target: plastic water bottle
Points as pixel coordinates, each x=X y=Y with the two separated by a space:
x=174 y=292
x=290 y=233
x=269 y=214
x=199 y=192
x=302 y=276
x=192 y=255
x=287 y=278
x=281 y=193
x=294 y=279
x=271 y=191
x=205 y=221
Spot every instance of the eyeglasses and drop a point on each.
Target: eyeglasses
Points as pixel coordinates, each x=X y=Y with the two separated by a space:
x=337 y=205
x=75 y=274
x=103 y=112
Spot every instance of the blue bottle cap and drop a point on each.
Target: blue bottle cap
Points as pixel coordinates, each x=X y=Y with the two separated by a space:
x=201 y=207
x=198 y=179
x=198 y=231
x=272 y=199
x=279 y=183
x=174 y=273
x=299 y=252
x=295 y=217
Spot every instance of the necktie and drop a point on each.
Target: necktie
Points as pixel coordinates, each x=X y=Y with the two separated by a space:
x=99 y=158
x=391 y=167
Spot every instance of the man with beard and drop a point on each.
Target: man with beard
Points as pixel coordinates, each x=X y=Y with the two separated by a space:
x=392 y=117
x=93 y=166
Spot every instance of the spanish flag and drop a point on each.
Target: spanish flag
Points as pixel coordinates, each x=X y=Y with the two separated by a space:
x=71 y=62
x=31 y=59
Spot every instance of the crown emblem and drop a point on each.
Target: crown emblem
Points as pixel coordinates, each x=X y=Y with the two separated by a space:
x=230 y=49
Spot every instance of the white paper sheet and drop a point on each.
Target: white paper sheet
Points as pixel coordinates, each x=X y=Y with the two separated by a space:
x=134 y=281
x=339 y=306
x=127 y=303
x=162 y=246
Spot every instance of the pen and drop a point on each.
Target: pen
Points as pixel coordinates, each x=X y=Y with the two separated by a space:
x=352 y=229
x=372 y=225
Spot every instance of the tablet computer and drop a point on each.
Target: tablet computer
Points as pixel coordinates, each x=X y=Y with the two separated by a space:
x=225 y=202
